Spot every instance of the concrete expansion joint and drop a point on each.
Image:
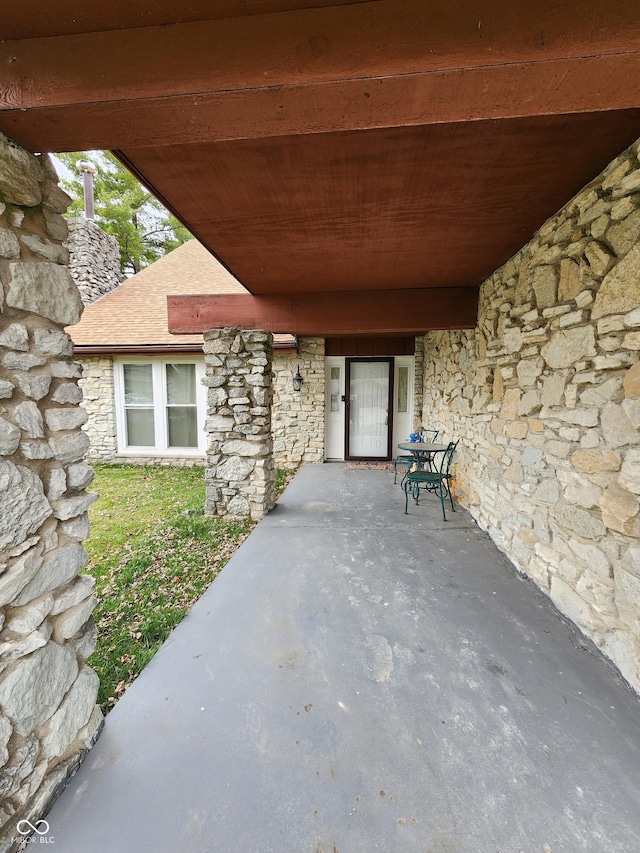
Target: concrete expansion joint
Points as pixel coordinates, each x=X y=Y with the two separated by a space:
x=346 y=525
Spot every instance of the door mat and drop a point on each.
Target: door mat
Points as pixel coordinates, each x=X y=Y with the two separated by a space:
x=378 y=466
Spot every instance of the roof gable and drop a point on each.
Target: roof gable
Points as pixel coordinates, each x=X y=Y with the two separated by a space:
x=135 y=314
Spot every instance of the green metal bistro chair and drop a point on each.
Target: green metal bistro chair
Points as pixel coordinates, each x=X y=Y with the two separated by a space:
x=429 y=436
x=437 y=480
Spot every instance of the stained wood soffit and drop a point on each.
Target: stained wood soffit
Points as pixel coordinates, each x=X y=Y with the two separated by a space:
x=365 y=65
x=34 y=19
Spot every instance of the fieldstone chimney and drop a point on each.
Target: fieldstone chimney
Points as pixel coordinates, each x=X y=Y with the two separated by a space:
x=94 y=259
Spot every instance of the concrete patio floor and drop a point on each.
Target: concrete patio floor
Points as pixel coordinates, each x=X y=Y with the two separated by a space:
x=359 y=680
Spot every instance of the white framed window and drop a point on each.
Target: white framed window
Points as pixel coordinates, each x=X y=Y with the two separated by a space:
x=160 y=405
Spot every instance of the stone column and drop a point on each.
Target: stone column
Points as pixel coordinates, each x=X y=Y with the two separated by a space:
x=240 y=474
x=48 y=716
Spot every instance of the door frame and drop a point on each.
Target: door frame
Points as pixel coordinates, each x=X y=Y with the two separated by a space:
x=347 y=406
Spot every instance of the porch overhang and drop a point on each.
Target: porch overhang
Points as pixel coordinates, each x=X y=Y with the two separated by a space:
x=299 y=69
x=317 y=146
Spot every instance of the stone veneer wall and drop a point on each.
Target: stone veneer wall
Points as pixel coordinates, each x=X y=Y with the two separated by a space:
x=240 y=473
x=298 y=417
x=171 y=461
x=97 y=385
x=48 y=717
x=94 y=259
x=545 y=397
x=418 y=385
x=99 y=402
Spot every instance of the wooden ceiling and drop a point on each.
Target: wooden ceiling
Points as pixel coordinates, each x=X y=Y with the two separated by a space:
x=333 y=153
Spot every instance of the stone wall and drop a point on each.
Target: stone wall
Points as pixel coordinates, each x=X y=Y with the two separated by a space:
x=545 y=397
x=97 y=385
x=240 y=473
x=99 y=402
x=94 y=259
x=172 y=461
x=298 y=416
x=48 y=717
x=418 y=385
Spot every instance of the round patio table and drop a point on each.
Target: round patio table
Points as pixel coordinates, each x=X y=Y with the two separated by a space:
x=421 y=448
x=424 y=451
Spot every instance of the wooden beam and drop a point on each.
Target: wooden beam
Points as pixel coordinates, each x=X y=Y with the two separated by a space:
x=384 y=63
x=347 y=42
x=561 y=87
x=34 y=19
x=390 y=312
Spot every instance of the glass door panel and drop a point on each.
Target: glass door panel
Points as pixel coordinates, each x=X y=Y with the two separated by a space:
x=368 y=415
x=403 y=400
x=334 y=430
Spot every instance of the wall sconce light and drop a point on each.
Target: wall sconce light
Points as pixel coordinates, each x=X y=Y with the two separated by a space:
x=297 y=380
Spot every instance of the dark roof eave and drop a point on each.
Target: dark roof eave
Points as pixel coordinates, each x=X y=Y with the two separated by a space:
x=161 y=349
x=135 y=349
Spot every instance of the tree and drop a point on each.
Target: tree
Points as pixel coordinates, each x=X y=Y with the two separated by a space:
x=144 y=229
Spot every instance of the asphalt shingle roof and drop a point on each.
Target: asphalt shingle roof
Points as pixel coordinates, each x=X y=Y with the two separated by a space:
x=135 y=314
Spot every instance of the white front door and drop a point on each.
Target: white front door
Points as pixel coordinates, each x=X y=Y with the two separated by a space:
x=336 y=408
x=369 y=386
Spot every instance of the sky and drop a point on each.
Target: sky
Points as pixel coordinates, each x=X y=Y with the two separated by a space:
x=61 y=169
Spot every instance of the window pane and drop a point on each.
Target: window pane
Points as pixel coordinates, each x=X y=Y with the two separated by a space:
x=140 y=429
x=182 y=426
x=403 y=389
x=335 y=389
x=138 y=385
x=181 y=384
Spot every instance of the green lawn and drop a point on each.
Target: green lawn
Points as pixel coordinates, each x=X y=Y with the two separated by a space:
x=152 y=553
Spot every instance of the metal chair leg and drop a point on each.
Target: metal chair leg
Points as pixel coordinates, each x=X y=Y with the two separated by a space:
x=442 y=500
x=395 y=470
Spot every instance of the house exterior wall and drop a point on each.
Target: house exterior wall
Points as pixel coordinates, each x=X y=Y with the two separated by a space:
x=418 y=384
x=98 y=386
x=173 y=461
x=48 y=716
x=545 y=397
x=99 y=402
x=298 y=419
x=298 y=416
